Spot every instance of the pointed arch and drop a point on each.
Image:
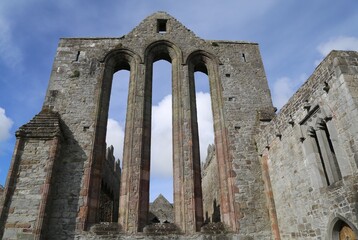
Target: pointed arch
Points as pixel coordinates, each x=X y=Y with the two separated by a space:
x=121 y=59
x=209 y=64
x=336 y=224
x=114 y=61
x=200 y=57
x=162 y=49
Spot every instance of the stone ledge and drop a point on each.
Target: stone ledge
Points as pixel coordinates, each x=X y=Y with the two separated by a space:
x=105 y=228
x=213 y=228
x=161 y=229
x=44 y=125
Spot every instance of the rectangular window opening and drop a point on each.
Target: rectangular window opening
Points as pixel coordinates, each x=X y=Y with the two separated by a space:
x=327 y=154
x=243 y=57
x=162 y=25
x=78 y=56
x=321 y=159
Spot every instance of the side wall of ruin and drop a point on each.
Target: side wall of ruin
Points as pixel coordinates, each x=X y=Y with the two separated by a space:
x=310 y=185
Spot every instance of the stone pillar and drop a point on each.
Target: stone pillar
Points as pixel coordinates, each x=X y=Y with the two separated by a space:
x=178 y=167
x=91 y=189
x=187 y=178
x=134 y=191
x=229 y=210
x=28 y=185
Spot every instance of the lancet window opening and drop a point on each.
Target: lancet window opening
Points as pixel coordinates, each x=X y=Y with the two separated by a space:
x=156 y=52
x=204 y=112
x=115 y=61
x=327 y=154
x=196 y=67
x=114 y=142
x=204 y=62
x=161 y=174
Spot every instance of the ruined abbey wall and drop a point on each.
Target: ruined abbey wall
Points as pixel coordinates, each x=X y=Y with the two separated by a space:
x=293 y=175
x=211 y=187
x=306 y=200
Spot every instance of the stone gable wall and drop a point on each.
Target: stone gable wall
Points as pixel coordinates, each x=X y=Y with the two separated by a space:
x=73 y=92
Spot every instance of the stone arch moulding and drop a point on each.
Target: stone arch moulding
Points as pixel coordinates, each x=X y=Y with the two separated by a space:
x=204 y=56
x=157 y=47
x=335 y=223
x=114 y=61
x=121 y=53
x=205 y=62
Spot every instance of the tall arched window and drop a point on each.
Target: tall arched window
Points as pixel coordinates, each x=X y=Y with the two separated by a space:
x=161 y=179
x=109 y=194
x=222 y=208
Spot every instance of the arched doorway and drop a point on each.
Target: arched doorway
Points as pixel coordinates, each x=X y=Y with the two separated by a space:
x=346 y=232
x=342 y=229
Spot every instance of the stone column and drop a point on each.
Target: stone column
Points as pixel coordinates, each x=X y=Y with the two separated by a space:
x=178 y=154
x=187 y=178
x=134 y=191
x=229 y=209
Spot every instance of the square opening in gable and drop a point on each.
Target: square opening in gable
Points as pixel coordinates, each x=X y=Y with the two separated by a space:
x=162 y=25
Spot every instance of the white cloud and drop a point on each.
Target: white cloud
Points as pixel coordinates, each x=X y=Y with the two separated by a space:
x=284 y=88
x=5 y=125
x=205 y=121
x=115 y=137
x=10 y=54
x=161 y=149
x=162 y=132
x=338 y=43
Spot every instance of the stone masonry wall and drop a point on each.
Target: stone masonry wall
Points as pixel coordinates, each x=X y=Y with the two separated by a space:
x=284 y=194
x=245 y=94
x=1 y=197
x=79 y=86
x=23 y=211
x=304 y=204
x=111 y=174
x=74 y=92
x=211 y=187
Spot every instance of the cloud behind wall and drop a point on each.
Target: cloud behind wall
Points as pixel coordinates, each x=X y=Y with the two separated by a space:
x=284 y=87
x=10 y=54
x=161 y=144
x=292 y=36
x=336 y=43
x=5 y=125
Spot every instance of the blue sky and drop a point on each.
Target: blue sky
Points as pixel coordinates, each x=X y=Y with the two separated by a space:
x=293 y=36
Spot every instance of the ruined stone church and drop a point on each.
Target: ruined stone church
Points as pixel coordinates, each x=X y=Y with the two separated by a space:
x=286 y=175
